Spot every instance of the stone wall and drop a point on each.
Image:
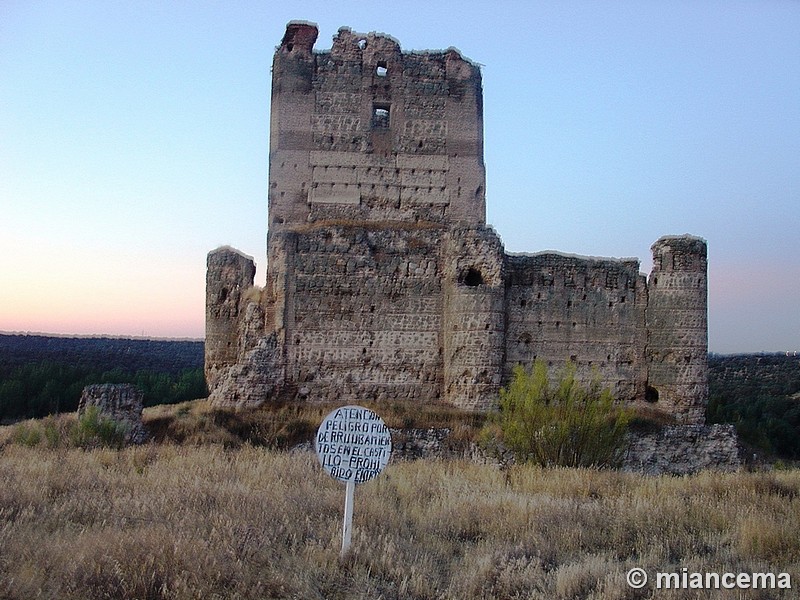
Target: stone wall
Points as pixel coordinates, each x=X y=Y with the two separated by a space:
x=474 y=318
x=672 y=450
x=681 y=450
x=677 y=328
x=366 y=314
x=229 y=276
x=588 y=310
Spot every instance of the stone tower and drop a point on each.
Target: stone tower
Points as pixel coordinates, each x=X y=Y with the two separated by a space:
x=677 y=326
x=376 y=219
x=366 y=132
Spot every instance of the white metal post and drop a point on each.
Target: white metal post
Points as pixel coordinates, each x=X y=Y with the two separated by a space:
x=347 y=529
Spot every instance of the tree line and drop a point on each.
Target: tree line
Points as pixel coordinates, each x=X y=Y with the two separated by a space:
x=43 y=375
x=760 y=395
x=48 y=387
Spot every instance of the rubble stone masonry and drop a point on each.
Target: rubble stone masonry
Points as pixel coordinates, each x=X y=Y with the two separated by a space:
x=384 y=281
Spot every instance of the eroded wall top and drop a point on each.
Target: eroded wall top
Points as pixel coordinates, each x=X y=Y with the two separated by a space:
x=367 y=132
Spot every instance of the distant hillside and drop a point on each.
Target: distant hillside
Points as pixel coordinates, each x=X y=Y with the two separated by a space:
x=163 y=356
x=41 y=375
x=760 y=394
x=754 y=374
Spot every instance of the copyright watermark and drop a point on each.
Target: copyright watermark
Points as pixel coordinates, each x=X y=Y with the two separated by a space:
x=638 y=578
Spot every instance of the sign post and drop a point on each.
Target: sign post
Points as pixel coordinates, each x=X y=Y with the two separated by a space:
x=353 y=445
x=347 y=524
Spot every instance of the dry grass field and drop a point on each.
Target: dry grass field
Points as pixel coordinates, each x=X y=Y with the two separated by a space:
x=204 y=521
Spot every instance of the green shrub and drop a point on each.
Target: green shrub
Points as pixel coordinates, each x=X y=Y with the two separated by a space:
x=27 y=434
x=51 y=432
x=565 y=423
x=94 y=430
x=33 y=433
x=91 y=430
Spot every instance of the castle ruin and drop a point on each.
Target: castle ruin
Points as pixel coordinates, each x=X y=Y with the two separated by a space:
x=384 y=281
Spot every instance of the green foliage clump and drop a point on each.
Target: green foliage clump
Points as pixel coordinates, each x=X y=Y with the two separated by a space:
x=769 y=423
x=27 y=434
x=564 y=423
x=94 y=430
x=91 y=430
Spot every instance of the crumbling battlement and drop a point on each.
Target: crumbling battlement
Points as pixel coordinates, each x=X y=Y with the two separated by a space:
x=383 y=280
x=587 y=310
x=366 y=132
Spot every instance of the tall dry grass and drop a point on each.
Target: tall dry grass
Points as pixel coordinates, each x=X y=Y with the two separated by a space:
x=162 y=521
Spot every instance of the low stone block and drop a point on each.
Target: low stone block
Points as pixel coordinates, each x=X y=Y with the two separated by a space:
x=120 y=402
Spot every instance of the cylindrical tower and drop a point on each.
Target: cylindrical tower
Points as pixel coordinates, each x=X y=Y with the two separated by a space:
x=677 y=328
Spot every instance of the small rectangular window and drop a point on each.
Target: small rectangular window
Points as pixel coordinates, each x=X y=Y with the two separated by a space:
x=381 y=69
x=380 y=116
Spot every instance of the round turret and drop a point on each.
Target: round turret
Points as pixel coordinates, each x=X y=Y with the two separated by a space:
x=677 y=327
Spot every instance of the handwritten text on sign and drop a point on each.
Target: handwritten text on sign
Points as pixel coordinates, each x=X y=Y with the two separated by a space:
x=353 y=444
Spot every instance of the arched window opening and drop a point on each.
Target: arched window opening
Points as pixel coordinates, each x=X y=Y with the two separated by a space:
x=472 y=278
x=651 y=394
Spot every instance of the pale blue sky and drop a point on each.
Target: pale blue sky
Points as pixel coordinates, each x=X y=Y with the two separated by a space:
x=134 y=139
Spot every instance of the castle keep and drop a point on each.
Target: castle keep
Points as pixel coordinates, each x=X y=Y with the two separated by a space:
x=384 y=281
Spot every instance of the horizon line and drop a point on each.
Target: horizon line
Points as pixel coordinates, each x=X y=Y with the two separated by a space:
x=103 y=336
x=112 y=336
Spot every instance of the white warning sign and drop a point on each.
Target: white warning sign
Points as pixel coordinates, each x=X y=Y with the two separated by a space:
x=353 y=444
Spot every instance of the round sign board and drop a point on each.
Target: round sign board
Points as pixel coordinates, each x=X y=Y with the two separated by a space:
x=353 y=444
